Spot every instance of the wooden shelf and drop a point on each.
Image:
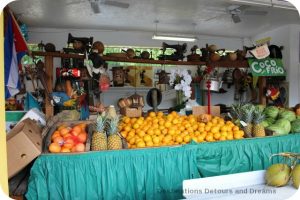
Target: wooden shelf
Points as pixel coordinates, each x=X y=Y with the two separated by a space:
x=145 y=61
x=230 y=64
x=226 y=64
x=57 y=54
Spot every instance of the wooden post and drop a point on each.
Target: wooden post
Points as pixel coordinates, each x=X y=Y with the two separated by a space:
x=262 y=82
x=49 y=72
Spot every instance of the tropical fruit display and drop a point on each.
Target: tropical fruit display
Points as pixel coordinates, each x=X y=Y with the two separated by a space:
x=99 y=138
x=106 y=136
x=66 y=139
x=158 y=129
x=254 y=120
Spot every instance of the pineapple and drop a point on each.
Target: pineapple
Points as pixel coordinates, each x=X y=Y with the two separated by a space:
x=247 y=117
x=258 y=129
x=114 y=139
x=99 y=139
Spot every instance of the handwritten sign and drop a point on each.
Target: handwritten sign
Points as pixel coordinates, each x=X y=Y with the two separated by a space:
x=266 y=67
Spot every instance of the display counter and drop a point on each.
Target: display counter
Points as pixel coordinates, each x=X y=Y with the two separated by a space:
x=155 y=173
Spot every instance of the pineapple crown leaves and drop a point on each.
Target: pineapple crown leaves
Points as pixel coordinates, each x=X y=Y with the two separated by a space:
x=101 y=121
x=258 y=116
x=113 y=125
x=247 y=113
x=236 y=111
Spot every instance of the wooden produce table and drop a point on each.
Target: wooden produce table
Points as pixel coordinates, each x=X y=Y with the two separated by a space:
x=155 y=173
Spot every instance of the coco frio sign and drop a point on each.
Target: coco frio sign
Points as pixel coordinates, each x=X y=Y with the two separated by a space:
x=266 y=67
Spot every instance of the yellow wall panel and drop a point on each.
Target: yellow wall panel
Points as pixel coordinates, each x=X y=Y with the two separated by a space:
x=3 y=156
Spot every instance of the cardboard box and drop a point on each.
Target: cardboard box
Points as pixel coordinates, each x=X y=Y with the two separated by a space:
x=24 y=143
x=214 y=110
x=132 y=112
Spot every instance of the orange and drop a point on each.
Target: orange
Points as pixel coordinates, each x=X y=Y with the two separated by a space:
x=139 y=121
x=152 y=114
x=167 y=139
x=171 y=132
x=174 y=113
x=160 y=114
x=80 y=147
x=149 y=144
x=55 y=134
x=235 y=128
x=150 y=131
x=75 y=132
x=54 y=148
x=77 y=128
x=187 y=138
x=65 y=150
x=64 y=131
x=131 y=133
x=207 y=128
x=214 y=121
x=229 y=137
x=209 y=138
x=214 y=130
x=179 y=139
x=156 y=140
x=165 y=131
x=242 y=133
x=168 y=124
x=140 y=145
x=141 y=133
x=133 y=120
x=135 y=126
x=69 y=143
x=217 y=136
x=200 y=138
x=147 y=138
x=223 y=138
x=126 y=120
x=157 y=132
x=132 y=140
x=224 y=128
x=175 y=121
x=127 y=128
x=82 y=137
x=59 y=140
x=197 y=133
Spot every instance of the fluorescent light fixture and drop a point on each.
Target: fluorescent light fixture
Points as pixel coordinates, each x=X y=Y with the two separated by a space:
x=174 y=38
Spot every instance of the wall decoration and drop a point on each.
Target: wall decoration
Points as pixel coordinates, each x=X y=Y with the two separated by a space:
x=140 y=76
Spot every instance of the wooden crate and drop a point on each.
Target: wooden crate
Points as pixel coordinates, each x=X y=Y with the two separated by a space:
x=47 y=138
x=131 y=112
x=199 y=110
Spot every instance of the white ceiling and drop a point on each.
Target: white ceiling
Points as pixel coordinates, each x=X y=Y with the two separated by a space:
x=175 y=16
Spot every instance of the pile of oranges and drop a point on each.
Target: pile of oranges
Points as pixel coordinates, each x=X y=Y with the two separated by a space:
x=158 y=129
x=68 y=139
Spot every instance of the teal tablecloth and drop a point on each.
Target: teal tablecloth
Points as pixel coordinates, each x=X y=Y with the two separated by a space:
x=149 y=173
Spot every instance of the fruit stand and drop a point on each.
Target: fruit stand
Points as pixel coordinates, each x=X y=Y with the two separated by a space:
x=93 y=144
x=155 y=173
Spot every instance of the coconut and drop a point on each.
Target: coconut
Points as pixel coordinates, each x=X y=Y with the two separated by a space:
x=278 y=175
x=296 y=176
